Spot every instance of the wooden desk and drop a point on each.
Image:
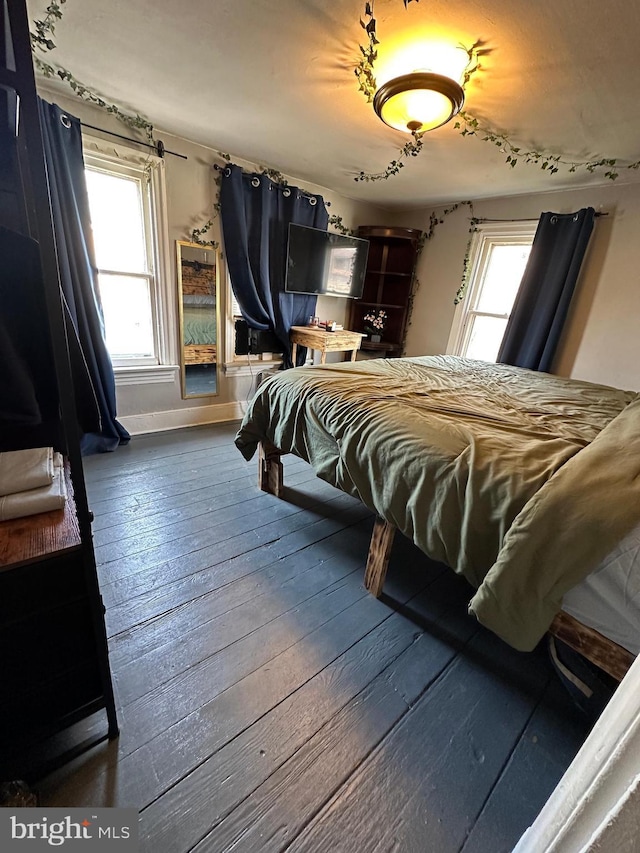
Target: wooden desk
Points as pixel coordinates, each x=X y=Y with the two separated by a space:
x=319 y=339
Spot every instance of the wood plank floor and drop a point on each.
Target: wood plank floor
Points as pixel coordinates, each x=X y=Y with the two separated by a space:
x=268 y=703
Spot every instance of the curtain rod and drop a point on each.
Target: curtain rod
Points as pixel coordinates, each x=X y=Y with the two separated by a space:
x=304 y=192
x=528 y=218
x=158 y=147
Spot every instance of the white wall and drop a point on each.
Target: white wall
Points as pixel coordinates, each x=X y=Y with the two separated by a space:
x=191 y=194
x=601 y=341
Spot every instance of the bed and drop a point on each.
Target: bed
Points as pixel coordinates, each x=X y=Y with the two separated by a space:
x=523 y=482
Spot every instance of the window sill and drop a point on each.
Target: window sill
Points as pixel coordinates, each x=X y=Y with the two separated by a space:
x=148 y=375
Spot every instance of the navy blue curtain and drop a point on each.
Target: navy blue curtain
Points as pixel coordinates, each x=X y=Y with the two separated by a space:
x=78 y=274
x=542 y=304
x=255 y=213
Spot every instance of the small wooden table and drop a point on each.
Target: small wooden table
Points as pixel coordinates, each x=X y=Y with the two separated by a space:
x=319 y=339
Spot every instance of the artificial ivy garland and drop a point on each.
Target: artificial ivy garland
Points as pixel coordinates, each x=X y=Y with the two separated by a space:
x=467 y=125
x=435 y=219
x=44 y=30
x=470 y=126
x=367 y=85
x=41 y=41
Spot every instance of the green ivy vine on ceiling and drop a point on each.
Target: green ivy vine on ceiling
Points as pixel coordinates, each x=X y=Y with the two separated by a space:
x=41 y=40
x=468 y=125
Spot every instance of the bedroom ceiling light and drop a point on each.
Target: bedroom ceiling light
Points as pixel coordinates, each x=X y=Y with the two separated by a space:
x=420 y=82
x=419 y=101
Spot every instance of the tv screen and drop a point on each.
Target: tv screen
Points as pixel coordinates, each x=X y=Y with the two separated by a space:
x=325 y=264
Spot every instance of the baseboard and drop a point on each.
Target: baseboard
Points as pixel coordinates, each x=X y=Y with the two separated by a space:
x=178 y=418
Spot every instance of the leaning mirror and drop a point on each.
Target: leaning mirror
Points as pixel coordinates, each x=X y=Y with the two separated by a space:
x=197 y=300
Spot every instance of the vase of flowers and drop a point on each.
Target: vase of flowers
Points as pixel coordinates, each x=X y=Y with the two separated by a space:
x=374 y=323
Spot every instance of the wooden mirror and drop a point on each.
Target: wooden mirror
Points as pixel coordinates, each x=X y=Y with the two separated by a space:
x=197 y=268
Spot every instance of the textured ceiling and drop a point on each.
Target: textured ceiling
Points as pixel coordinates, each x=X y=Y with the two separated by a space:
x=272 y=82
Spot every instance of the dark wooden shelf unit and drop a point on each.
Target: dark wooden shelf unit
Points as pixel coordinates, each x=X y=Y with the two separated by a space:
x=388 y=285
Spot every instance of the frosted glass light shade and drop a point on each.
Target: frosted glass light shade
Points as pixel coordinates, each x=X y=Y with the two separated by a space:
x=418 y=102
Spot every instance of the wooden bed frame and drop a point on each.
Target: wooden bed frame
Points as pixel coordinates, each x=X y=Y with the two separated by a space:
x=604 y=653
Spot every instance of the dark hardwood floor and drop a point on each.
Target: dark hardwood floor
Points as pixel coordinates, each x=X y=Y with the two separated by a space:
x=267 y=702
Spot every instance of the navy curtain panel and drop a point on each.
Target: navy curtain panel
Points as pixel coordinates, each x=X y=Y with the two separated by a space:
x=78 y=274
x=542 y=304
x=255 y=213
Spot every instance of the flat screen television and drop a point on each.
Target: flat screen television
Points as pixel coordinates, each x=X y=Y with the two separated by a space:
x=325 y=264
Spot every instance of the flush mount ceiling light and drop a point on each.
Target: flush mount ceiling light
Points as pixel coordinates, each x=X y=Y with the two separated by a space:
x=419 y=101
x=423 y=100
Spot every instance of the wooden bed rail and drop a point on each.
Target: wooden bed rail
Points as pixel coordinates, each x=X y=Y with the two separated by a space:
x=592 y=645
x=604 y=653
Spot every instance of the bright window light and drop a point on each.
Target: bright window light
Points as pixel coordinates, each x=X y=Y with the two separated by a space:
x=119 y=221
x=502 y=278
x=499 y=257
x=129 y=333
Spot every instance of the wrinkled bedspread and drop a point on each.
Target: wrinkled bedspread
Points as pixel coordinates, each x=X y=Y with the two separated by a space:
x=199 y=325
x=520 y=481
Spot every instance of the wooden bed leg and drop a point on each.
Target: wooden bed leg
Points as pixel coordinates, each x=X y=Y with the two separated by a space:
x=270 y=471
x=378 y=558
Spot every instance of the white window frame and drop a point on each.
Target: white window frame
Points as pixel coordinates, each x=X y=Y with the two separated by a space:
x=120 y=160
x=487 y=236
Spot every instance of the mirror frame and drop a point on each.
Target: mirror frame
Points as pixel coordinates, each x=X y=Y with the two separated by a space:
x=180 y=245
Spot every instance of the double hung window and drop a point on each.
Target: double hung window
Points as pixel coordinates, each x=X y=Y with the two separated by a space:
x=498 y=257
x=125 y=196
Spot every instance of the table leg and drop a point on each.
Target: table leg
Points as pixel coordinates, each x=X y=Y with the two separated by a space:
x=294 y=351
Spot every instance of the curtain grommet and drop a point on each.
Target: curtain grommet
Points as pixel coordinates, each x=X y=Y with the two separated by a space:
x=65 y=121
x=553 y=220
x=313 y=200
x=286 y=192
x=255 y=182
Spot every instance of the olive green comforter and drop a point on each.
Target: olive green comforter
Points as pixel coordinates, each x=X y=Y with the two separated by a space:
x=520 y=481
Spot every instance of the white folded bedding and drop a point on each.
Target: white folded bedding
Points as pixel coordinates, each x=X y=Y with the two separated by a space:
x=23 y=470
x=33 y=501
x=609 y=598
